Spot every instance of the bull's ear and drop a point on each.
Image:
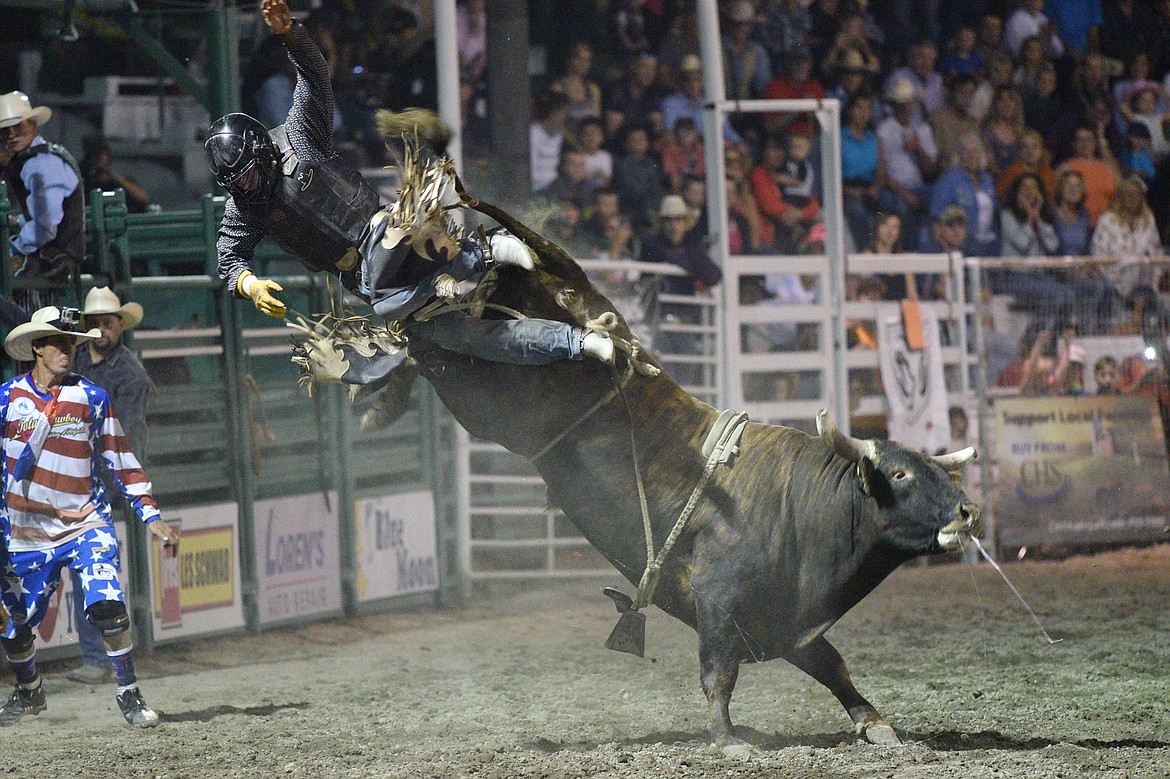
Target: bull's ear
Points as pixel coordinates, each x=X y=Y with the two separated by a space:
x=867 y=472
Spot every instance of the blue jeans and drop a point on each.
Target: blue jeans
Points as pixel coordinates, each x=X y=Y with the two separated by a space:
x=517 y=341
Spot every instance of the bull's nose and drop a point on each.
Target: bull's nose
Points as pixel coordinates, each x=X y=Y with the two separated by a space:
x=970 y=513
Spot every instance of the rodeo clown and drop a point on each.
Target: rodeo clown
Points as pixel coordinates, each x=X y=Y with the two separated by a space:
x=289 y=183
x=60 y=432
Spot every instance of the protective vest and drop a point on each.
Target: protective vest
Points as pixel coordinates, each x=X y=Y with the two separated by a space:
x=70 y=237
x=319 y=211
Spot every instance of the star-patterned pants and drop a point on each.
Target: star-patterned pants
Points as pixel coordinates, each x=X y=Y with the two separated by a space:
x=30 y=578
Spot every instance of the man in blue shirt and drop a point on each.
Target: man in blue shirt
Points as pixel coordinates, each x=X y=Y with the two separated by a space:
x=45 y=182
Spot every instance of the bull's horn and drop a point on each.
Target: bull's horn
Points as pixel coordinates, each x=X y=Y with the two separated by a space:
x=955 y=460
x=852 y=449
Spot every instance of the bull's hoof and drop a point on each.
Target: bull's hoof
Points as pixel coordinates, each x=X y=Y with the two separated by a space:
x=739 y=750
x=881 y=734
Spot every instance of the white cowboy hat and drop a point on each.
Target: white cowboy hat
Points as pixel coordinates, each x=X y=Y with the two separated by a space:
x=903 y=92
x=673 y=207
x=45 y=321
x=15 y=107
x=103 y=300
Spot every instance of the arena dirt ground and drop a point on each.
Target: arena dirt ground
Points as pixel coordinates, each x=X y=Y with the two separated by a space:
x=517 y=684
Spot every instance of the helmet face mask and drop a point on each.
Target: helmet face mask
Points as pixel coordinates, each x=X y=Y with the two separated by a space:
x=242 y=157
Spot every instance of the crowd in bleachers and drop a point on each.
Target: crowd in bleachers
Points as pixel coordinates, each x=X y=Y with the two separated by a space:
x=998 y=128
x=1013 y=128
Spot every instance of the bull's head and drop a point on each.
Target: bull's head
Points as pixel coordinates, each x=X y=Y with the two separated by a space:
x=920 y=501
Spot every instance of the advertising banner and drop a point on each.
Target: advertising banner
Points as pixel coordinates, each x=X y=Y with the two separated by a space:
x=396 y=549
x=915 y=387
x=1086 y=469
x=298 y=562
x=197 y=591
x=58 y=627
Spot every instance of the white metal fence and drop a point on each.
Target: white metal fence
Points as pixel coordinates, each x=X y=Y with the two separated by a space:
x=745 y=349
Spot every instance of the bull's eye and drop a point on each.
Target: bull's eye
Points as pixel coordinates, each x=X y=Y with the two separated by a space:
x=900 y=475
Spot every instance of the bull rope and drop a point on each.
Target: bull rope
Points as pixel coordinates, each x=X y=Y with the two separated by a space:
x=725 y=445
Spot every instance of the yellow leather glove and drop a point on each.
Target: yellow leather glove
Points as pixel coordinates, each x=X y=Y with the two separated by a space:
x=259 y=291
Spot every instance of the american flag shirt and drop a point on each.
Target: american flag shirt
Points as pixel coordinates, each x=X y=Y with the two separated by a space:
x=64 y=496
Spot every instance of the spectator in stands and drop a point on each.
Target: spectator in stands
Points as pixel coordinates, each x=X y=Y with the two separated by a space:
x=888 y=239
x=1026 y=220
x=637 y=178
x=546 y=138
x=1029 y=64
x=1090 y=82
x=947 y=234
x=1070 y=218
x=863 y=170
x=688 y=99
x=582 y=93
x=787 y=26
x=635 y=100
x=742 y=210
x=603 y=205
x=572 y=181
x=45 y=185
x=954 y=120
x=693 y=191
x=784 y=223
x=990 y=35
x=852 y=77
x=911 y=158
x=1137 y=155
x=969 y=186
x=922 y=74
x=1078 y=24
x=1032 y=158
x=97 y=170
x=963 y=56
x=668 y=244
x=1106 y=374
x=1094 y=160
x=851 y=52
x=623 y=288
x=1030 y=21
x=566 y=228
x=999 y=73
x=683 y=154
x=598 y=161
x=1147 y=105
x=1002 y=129
x=1138 y=69
x=1127 y=232
x=1042 y=106
x=796 y=82
x=109 y=364
x=747 y=68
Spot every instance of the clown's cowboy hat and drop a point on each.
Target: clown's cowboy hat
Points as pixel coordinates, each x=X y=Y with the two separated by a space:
x=45 y=322
x=103 y=300
x=15 y=107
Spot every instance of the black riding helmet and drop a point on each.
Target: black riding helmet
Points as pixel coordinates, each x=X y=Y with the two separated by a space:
x=236 y=145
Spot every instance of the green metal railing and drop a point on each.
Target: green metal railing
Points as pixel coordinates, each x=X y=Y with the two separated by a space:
x=225 y=379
